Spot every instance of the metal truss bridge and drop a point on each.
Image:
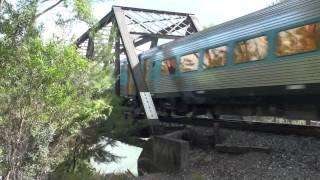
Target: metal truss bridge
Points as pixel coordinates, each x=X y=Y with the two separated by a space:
x=126 y=31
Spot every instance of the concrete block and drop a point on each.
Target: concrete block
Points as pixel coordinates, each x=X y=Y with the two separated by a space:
x=164 y=153
x=170 y=154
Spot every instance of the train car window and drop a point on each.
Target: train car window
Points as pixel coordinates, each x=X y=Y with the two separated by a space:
x=130 y=86
x=168 y=67
x=251 y=50
x=189 y=62
x=298 y=40
x=146 y=69
x=215 y=57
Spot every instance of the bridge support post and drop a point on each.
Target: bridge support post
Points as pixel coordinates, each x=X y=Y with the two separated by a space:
x=135 y=68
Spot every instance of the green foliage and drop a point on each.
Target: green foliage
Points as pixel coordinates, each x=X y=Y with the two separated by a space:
x=84 y=171
x=83 y=9
x=118 y=177
x=48 y=92
x=56 y=105
x=197 y=177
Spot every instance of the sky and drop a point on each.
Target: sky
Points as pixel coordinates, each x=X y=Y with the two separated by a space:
x=208 y=12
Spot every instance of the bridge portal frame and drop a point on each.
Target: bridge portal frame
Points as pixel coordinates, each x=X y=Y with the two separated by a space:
x=135 y=27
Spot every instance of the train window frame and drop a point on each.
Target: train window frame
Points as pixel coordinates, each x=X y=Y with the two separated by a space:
x=167 y=59
x=236 y=42
x=186 y=54
x=275 y=53
x=215 y=47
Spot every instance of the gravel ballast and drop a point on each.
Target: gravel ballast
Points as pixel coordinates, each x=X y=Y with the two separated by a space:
x=291 y=157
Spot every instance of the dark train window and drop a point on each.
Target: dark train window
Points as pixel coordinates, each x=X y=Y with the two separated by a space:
x=189 y=62
x=168 y=67
x=215 y=57
x=251 y=50
x=298 y=40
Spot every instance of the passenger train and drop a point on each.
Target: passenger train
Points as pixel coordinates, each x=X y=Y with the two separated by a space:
x=264 y=63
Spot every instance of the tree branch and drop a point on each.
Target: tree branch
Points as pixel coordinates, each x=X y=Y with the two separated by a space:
x=49 y=8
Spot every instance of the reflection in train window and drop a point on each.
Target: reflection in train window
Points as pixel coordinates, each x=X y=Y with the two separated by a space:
x=215 y=57
x=298 y=40
x=251 y=50
x=147 y=70
x=131 y=86
x=189 y=62
x=168 y=67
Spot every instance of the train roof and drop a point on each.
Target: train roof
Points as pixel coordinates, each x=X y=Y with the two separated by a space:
x=281 y=15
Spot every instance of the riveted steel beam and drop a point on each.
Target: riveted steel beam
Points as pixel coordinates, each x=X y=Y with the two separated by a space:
x=163 y=36
x=117 y=65
x=194 y=22
x=105 y=20
x=152 y=11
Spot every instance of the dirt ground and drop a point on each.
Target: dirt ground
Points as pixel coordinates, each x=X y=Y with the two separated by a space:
x=291 y=158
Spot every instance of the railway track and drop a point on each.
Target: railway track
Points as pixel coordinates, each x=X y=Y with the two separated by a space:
x=301 y=130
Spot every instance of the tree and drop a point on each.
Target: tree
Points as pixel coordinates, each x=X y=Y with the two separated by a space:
x=82 y=8
x=50 y=96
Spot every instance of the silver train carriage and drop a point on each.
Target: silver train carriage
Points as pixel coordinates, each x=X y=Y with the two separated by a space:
x=264 y=63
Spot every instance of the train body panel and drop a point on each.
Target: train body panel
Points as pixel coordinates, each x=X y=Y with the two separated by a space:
x=285 y=72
